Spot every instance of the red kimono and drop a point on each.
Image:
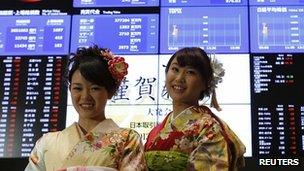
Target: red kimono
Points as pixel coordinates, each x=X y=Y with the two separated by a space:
x=195 y=140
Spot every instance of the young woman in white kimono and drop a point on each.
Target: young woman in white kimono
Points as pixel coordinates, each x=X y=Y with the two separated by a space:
x=94 y=142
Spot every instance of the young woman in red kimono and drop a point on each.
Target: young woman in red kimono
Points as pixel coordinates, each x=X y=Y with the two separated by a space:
x=191 y=137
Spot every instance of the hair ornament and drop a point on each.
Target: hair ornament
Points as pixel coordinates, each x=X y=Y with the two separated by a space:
x=118 y=68
x=116 y=65
x=218 y=74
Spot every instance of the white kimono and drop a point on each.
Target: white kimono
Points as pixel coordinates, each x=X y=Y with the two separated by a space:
x=106 y=147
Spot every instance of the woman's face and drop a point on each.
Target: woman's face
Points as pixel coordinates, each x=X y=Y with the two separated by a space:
x=184 y=84
x=88 y=99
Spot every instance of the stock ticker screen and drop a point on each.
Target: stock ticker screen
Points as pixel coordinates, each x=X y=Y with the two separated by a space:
x=33 y=55
x=259 y=42
x=33 y=99
x=132 y=33
x=279 y=119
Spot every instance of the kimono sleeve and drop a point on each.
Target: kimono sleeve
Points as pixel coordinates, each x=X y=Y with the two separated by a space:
x=211 y=152
x=36 y=158
x=133 y=154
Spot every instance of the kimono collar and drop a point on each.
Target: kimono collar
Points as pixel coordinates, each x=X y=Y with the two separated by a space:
x=103 y=127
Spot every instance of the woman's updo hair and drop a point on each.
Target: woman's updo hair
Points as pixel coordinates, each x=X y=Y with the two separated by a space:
x=93 y=66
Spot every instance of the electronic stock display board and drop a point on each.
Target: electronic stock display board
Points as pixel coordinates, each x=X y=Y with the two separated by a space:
x=260 y=42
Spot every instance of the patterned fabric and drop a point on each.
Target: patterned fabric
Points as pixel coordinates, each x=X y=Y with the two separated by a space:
x=195 y=140
x=106 y=145
x=88 y=168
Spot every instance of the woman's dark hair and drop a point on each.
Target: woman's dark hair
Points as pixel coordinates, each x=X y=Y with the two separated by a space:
x=93 y=66
x=198 y=59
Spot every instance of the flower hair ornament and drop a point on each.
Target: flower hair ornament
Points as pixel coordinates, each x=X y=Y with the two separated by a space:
x=116 y=65
x=218 y=74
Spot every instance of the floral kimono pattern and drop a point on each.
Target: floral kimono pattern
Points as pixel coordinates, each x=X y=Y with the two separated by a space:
x=195 y=140
x=106 y=147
